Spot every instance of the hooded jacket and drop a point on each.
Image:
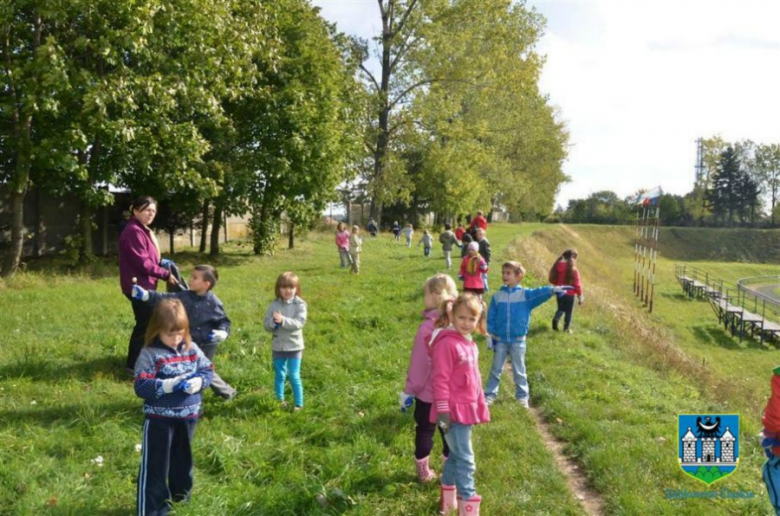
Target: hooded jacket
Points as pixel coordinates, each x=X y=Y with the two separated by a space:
x=509 y=315
x=418 y=377
x=457 y=384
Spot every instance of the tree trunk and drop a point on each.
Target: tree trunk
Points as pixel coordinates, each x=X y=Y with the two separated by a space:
x=204 y=228
x=171 y=235
x=38 y=243
x=291 y=236
x=14 y=256
x=85 y=229
x=216 y=225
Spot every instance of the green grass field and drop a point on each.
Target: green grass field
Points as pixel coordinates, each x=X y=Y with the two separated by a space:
x=611 y=391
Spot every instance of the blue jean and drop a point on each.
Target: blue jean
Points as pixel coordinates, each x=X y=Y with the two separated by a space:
x=281 y=368
x=346 y=261
x=426 y=251
x=484 y=281
x=516 y=351
x=460 y=466
x=771 y=473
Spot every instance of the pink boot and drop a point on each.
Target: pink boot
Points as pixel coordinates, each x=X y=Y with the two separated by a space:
x=470 y=507
x=449 y=499
x=424 y=472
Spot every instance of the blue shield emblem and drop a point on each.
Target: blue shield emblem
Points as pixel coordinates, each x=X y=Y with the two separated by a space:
x=708 y=445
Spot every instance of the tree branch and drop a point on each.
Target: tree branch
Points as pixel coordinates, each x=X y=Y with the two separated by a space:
x=405 y=16
x=371 y=76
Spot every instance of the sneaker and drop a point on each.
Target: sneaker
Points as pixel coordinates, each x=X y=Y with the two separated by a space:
x=523 y=402
x=489 y=400
x=282 y=403
x=297 y=408
x=229 y=396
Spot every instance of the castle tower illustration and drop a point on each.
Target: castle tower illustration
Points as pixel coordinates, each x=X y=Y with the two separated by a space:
x=689 y=446
x=727 y=446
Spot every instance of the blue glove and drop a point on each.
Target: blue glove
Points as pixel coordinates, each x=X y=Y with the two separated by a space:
x=165 y=262
x=767 y=443
x=139 y=294
x=405 y=400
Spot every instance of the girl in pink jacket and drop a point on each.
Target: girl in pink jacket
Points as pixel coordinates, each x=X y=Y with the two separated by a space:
x=342 y=244
x=436 y=289
x=458 y=400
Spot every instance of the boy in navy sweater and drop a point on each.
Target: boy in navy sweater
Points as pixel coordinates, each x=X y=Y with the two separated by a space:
x=508 y=320
x=209 y=325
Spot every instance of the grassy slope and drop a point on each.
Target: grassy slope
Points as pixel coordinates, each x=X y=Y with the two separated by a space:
x=619 y=382
x=64 y=401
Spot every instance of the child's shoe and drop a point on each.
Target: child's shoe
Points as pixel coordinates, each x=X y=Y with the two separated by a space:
x=297 y=408
x=424 y=472
x=489 y=400
x=449 y=499
x=470 y=507
x=523 y=402
x=555 y=324
x=282 y=403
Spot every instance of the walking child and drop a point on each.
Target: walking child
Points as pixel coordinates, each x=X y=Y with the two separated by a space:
x=285 y=318
x=472 y=268
x=342 y=244
x=485 y=252
x=396 y=229
x=436 y=290
x=170 y=373
x=459 y=403
x=408 y=232
x=209 y=325
x=448 y=240
x=564 y=272
x=460 y=231
x=464 y=245
x=355 y=246
x=427 y=243
x=508 y=321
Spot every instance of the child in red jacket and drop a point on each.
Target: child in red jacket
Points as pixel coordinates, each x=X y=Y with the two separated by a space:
x=770 y=441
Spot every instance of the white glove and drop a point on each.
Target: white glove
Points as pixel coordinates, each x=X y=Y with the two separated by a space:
x=193 y=385
x=580 y=299
x=405 y=400
x=561 y=289
x=218 y=336
x=139 y=294
x=172 y=384
x=489 y=340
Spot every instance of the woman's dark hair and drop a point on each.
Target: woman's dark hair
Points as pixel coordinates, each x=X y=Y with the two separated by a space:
x=142 y=202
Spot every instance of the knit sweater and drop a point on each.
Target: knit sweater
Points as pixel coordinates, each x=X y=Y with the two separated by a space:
x=205 y=313
x=158 y=362
x=287 y=335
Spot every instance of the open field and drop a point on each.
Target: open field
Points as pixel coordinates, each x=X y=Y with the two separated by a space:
x=611 y=391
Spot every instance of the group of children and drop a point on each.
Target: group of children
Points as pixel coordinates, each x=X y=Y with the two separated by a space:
x=443 y=379
x=176 y=364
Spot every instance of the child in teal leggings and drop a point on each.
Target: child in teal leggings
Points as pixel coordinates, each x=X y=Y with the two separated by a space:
x=285 y=318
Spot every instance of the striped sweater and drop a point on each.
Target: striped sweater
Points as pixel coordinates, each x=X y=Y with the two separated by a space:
x=158 y=362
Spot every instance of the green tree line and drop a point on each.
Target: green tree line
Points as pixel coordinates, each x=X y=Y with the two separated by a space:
x=738 y=187
x=263 y=107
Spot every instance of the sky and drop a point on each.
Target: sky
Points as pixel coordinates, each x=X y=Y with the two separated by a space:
x=638 y=82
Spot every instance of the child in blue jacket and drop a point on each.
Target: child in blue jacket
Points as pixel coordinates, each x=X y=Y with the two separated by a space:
x=508 y=320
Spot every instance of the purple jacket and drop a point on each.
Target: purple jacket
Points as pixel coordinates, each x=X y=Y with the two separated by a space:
x=418 y=377
x=139 y=258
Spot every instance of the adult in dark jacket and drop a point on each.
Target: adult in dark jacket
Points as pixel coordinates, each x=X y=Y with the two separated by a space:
x=139 y=259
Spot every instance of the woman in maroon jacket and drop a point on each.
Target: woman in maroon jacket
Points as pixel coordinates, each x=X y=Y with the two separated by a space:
x=139 y=258
x=564 y=272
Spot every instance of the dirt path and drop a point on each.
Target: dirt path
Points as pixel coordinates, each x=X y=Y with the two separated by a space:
x=587 y=496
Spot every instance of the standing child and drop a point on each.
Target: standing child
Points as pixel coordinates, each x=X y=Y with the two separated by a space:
x=485 y=252
x=285 y=317
x=460 y=231
x=770 y=441
x=564 y=272
x=209 y=325
x=459 y=403
x=342 y=244
x=170 y=374
x=508 y=320
x=355 y=246
x=464 y=245
x=408 y=232
x=472 y=267
x=448 y=240
x=396 y=229
x=427 y=243
x=436 y=290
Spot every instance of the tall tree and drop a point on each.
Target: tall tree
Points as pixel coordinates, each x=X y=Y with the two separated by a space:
x=767 y=166
x=724 y=194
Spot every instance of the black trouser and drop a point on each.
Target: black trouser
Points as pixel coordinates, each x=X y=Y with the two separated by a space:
x=565 y=307
x=166 y=471
x=143 y=313
x=423 y=433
